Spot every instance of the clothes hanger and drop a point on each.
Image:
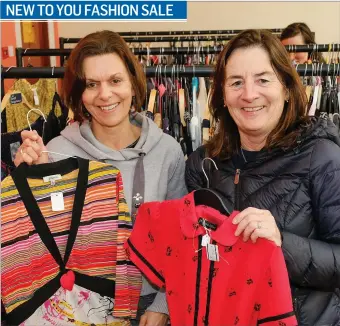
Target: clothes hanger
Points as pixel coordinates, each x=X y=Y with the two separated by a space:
x=29 y=125
x=209 y=197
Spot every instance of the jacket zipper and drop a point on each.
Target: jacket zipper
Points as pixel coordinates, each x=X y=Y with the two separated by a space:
x=237 y=189
x=295 y=307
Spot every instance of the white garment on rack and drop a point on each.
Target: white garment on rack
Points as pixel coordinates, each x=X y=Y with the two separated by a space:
x=202 y=97
x=195 y=122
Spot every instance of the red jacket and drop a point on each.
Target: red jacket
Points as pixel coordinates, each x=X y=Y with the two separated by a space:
x=247 y=286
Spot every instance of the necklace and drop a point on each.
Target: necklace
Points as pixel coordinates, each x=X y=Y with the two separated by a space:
x=243 y=155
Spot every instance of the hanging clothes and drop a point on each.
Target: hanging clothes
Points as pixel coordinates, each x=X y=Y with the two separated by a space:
x=55 y=123
x=5 y=170
x=178 y=106
x=241 y=283
x=11 y=141
x=39 y=95
x=202 y=96
x=49 y=129
x=328 y=104
x=63 y=261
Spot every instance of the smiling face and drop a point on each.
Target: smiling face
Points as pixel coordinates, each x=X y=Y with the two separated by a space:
x=253 y=93
x=108 y=92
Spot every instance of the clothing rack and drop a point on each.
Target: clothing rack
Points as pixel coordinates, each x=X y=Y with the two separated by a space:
x=164 y=71
x=205 y=32
x=159 y=39
x=158 y=71
x=127 y=35
x=186 y=38
x=20 y=52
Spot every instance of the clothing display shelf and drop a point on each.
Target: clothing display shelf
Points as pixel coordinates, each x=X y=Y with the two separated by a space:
x=20 y=52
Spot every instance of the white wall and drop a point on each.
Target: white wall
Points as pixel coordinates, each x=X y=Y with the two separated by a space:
x=322 y=17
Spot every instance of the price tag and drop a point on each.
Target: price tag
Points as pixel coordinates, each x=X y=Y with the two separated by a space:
x=205 y=240
x=212 y=252
x=57 y=200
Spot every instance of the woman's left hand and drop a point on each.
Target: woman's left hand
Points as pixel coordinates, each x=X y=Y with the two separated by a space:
x=257 y=223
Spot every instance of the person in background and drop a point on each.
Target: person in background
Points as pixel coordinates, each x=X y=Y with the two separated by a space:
x=278 y=167
x=105 y=87
x=300 y=34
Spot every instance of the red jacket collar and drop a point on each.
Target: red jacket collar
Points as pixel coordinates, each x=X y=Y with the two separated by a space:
x=189 y=215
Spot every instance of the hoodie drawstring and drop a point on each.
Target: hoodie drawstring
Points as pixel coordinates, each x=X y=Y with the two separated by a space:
x=138 y=187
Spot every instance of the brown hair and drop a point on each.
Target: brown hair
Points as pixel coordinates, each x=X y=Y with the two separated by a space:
x=99 y=43
x=227 y=139
x=307 y=35
x=296 y=29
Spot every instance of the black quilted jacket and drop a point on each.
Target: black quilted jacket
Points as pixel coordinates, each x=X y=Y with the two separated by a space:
x=301 y=188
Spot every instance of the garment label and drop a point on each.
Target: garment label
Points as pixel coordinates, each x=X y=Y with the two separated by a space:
x=15 y=98
x=52 y=178
x=35 y=96
x=205 y=240
x=212 y=252
x=57 y=200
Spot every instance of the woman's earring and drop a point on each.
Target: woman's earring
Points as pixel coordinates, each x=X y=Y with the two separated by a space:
x=133 y=106
x=287 y=96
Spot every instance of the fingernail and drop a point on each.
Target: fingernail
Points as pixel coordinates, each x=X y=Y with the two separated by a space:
x=234 y=221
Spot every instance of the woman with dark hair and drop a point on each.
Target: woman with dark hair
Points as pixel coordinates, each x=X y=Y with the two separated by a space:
x=278 y=167
x=300 y=34
x=105 y=87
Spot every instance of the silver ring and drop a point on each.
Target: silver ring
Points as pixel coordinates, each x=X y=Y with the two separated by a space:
x=259 y=225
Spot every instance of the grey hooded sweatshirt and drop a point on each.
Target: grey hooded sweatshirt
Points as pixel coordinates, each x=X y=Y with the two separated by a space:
x=159 y=158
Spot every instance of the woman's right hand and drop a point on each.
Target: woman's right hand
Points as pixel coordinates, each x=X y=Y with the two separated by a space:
x=31 y=149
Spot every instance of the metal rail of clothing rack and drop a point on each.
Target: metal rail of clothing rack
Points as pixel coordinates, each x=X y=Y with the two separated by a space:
x=156 y=71
x=20 y=52
x=127 y=35
x=164 y=71
x=193 y=38
x=207 y=32
x=158 y=39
